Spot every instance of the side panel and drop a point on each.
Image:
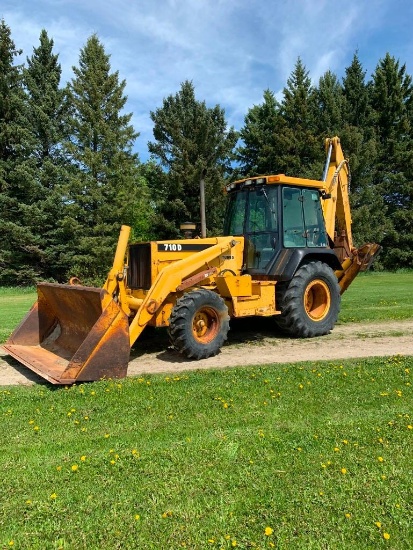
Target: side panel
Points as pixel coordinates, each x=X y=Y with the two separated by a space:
x=287 y=261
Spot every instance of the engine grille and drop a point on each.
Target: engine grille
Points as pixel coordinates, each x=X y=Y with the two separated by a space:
x=139 y=274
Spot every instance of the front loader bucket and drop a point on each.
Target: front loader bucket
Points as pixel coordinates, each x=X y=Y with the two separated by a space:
x=72 y=334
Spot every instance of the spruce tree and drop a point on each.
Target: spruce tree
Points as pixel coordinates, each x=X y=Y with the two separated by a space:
x=359 y=143
x=193 y=143
x=259 y=151
x=104 y=190
x=392 y=102
x=20 y=219
x=329 y=106
x=300 y=145
x=46 y=116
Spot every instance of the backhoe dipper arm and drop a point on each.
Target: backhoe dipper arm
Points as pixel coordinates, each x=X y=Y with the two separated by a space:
x=168 y=281
x=337 y=216
x=336 y=179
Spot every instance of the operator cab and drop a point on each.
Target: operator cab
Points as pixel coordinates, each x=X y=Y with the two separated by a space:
x=278 y=221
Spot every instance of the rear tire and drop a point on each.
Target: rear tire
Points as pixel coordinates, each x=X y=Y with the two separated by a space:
x=199 y=324
x=310 y=302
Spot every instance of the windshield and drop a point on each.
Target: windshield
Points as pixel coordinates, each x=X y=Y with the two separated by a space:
x=251 y=211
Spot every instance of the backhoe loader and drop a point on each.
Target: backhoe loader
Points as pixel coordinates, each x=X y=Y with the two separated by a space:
x=287 y=253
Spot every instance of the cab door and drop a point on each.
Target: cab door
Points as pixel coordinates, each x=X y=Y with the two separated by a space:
x=303 y=221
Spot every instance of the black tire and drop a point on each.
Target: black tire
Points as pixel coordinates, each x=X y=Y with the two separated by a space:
x=310 y=302
x=199 y=324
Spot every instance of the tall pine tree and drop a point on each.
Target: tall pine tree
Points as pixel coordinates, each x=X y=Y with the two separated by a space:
x=359 y=143
x=20 y=219
x=46 y=118
x=260 y=135
x=392 y=102
x=104 y=190
x=300 y=146
x=193 y=143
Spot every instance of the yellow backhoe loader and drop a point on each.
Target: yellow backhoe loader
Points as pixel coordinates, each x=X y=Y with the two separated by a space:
x=287 y=253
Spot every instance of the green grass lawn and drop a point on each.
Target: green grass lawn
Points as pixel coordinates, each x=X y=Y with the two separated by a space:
x=14 y=304
x=378 y=297
x=284 y=456
x=304 y=456
x=371 y=297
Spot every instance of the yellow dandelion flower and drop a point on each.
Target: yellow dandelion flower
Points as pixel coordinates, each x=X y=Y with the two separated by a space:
x=377 y=524
x=113 y=462
x=380 y=459
x=28 y=502
x=11 y=543
x=234 y=543
x=343 y=471
x=58 y=468
x=83 y=458
x=137 y=516
x=31 y=421
x=347 y=515
x=227 y=537
x=53 y=496
x=386 y=536
x=107 y=435
x=36 y=428
x=211 y=541
x=268 y=531
x=75 y=468
x=344 y=442
x=410 y=427
x=336 y=449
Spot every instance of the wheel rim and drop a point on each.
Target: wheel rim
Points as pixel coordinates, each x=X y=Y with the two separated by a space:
x=317 y=300
x=205 y=325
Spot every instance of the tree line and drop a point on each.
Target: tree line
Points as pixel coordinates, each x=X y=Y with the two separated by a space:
x=69 y=176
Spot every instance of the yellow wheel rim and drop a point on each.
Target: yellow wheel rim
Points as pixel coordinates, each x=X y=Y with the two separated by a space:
x=317 y=300
x=205 y=325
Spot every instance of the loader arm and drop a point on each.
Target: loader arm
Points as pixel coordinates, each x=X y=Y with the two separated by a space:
x=168 y=281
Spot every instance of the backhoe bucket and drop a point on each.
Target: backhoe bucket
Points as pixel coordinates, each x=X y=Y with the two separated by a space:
x=72 y=334
x=361 y=261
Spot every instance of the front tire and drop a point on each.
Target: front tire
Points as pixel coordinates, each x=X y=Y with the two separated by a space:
x=310 y=302
x=199 y=324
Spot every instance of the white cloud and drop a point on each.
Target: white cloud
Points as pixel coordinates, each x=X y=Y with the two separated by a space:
x=231 y=49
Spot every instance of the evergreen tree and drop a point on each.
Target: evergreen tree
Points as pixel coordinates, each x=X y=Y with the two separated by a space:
x=328 y=103
x=46 y=116
x=20 y=220
x=356 y=95
x=104 y=190
x=300 y=146
x=392 y=101
x=263 y=124
x=359 y=143
x=194 y=144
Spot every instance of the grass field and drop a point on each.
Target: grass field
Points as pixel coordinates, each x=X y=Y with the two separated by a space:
x=304 y=456
x=301 y=456
x=371 y=297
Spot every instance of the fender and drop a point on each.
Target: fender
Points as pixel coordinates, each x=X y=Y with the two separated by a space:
x=288 y=260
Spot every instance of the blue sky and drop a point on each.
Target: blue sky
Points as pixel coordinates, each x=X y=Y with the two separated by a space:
x=232 y=50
